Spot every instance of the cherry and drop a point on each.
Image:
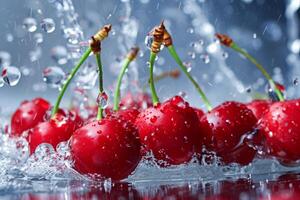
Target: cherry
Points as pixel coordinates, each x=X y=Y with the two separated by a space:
x=59 y=128
x=259 y=107
x=170 y=131
x=224 y=129
x=28 y=115
x=281 y=127
x=139 y=100
x=108 y=147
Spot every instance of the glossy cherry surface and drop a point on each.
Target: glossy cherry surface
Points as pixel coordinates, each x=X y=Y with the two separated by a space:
x=281 y=126
x=259 y=107
x=225 y=128
x=28 y=115
x=109 y=147
x=170 y=130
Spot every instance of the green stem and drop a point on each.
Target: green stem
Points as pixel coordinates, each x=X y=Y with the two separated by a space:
x=120 y=77
x=183 y=68
x=155 y=99
x=235 y=47
x=68 y=81
x=101 y=90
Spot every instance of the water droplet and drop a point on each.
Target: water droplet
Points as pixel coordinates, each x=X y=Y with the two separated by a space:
x=205 y=58
x=148 y=41
x=30 y=24
x=1 y=82
x=53 y=76
x=48 y=25
x=59 y=54
x=248 y=89
x=254 y=36
x=296 y=81
x=102 y=100
x=38 y=38
x=4 y=58
x=11 y=75
x=153 y=119
x=192 y=54
x=224 y=54
x=72 y=35
x=190 y=30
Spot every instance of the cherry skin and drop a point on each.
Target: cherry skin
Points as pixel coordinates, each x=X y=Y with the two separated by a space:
x=139 y=100
x=54 y=131
x=28 y=115
x=281 y=127
x=259 y=107
x=170 y=130
x=224 y=128
x=109 y=147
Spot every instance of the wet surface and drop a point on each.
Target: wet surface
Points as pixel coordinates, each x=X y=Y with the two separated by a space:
x=268 y=186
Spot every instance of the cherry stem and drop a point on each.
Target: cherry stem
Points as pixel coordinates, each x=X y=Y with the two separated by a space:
x=155 y=99
x=68 y=81
x=235 y=47
x=183 y=68
x=119 y=82
x=101 y=90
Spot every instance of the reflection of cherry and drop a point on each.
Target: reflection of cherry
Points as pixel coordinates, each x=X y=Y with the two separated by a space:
x=28 y=115
x=224 y=129
x=139 y=100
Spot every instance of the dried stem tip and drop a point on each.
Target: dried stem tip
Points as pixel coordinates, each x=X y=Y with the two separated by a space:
x=95 y=45
x=158 y=36
x=167 y=38
x=133 y=53
x=224 y=39
x=102 y=33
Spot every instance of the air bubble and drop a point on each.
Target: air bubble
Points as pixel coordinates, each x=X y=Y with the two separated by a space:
x=11 y=75
x=53 y=76
x=205 y=58
x=29 y=24
x=48 y=25
x=59 y=54
x=224 y=55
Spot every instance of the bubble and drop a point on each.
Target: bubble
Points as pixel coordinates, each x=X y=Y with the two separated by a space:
x=29 y=24
x=4 y=58
x=295 y=46
x=102 y=100
x=48 y=25
x=205 y=58
x=190 y=30
x=254 y=35
x=43 y=151
x=11 y=75
x=53 y=76
x=38 y=38
x=72 y=35
x=296 y=81
x=59 y=54
x=224 y=55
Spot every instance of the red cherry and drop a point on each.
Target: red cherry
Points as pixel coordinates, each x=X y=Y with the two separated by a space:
x=281 y=127
x=140 y=100
x=28 y=115
x=108 y=147
x=259 y=107
x=224 y=129
x=170 y=130
x=54 y=131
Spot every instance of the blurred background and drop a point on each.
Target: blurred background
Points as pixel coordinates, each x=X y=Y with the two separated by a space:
x=41 y=40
